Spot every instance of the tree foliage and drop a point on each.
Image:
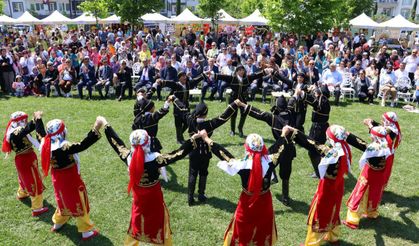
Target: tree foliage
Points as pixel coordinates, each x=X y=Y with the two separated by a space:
x=1 y=7
x=98 y=8
x=132 y=10
x=209 y=8
x=306 y=17
x=240 y=9
x=301 y=16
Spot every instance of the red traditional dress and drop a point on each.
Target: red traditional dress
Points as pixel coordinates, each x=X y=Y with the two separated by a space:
x=366 y=196
x=323 y=219
x=149 y=215
x=253 y=222
x=69 y=188
x=18 y=139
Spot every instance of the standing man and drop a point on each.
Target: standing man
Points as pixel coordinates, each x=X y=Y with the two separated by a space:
x=412 y=62
x=6 y=70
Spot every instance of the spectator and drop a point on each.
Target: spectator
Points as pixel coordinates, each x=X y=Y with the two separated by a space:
x=19 y=86
x=105 y=76
x=333 y=79
x=147 y=76
x=412 y=62
x=6 y=70
x=123 y=81
x=364 y=87
x=387 y=82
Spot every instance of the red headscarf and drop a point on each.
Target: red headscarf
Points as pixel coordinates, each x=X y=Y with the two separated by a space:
x=344 y=144
x=398 y=137
x=6 y=148
x=46 y=149
x=136 y=166
x=256 y=176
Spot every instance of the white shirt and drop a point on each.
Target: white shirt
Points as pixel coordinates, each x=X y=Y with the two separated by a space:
x=411 y=63
x=401 y=74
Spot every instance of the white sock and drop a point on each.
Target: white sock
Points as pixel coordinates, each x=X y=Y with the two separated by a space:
x=57 y=226
x=87 y=234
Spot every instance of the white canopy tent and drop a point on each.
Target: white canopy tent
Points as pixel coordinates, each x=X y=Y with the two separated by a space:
x=84 y=19
x=27 y=18
x=225 y=18
x=363 y=21
x=399 y=22
x=6 y=20
x=56 y=18
x=113 y=19
x=154 y=18
x=256 y=18
x=187 y=17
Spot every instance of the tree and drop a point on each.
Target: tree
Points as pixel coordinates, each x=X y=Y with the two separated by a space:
x=1 y=7
x=413 y=13
x=209 y=8
x=132 y=10
x=178 y=7
x=301 y=16
x=240 y=9
x=352 y=8
x=98 y=8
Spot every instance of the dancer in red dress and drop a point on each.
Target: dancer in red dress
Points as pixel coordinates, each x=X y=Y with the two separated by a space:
x=17 y=138
x=323 y=219
x=149 y=214
x=69 y=188
x=366 y=196
x=254 y=221
x=394 y=136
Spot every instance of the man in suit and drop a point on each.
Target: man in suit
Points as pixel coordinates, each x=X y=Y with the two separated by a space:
x=105 y=76
x=290 y=72
x=87 y=77
x=167 y=73
x=147 y=76
x=312 y=73
x=210 y=82
x=123 y=80
x=190 y=71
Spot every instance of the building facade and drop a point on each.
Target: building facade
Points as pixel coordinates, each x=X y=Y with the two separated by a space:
x=392 y=8
x=69 y=8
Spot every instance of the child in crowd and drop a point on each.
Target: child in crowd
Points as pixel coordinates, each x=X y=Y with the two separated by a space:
x=19 y=86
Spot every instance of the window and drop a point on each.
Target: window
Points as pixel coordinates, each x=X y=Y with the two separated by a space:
x=387 y=11
x=405 y=13
x=17 y=7
x=407 y=2
x=52 y=6
x=67 y=7
x=38 y=6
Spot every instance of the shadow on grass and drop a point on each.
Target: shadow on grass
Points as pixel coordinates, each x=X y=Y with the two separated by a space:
x=295 y=206
x=173 y=184
x=221 y=204
x=394 y=229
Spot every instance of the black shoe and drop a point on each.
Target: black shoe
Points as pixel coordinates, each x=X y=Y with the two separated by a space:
x=181 y=142
x=119 y=99
x=232 y=133
x=241 y=133
x=202 y=197
x=285 y=200
x=191 y=201
x=275 y=180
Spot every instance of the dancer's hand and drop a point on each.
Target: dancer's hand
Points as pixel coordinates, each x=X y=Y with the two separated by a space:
x=37 y=115
x=368 y=122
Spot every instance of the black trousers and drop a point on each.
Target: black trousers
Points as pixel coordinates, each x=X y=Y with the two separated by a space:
x=318 y=134
x=300 y=119
x=243 y=116
x=285 y=159
x=181 y=126
x=198 y=165
x=123 y=86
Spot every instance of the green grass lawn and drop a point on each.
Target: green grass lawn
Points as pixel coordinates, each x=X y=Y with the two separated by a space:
x=106 y=180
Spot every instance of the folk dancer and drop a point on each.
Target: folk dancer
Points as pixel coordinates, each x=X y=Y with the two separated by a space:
x=366 y=196
x=17 y=138
x=149 y=214
x=70 y=191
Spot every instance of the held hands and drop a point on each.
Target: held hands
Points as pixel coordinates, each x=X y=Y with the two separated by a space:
x=170 y=98
x=100 y=122
x=368 y=122
x=287 y=129
x=239 y=103
x=37 y=115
